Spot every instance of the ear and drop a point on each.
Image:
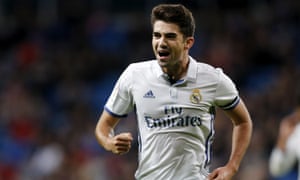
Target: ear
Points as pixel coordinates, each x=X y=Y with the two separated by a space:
x=189 y=42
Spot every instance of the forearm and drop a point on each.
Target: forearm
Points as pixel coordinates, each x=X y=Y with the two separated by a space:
x=105 y=130
x=240 y=141
x=103 y=135
x=241 y=136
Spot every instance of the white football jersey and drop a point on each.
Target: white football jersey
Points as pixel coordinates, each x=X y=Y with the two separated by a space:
x=175 y=120
x=282 y=162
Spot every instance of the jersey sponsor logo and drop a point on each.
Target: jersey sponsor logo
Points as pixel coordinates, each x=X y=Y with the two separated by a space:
x=174 y=117
x=180 y=121
x=196 y=96
x=149 y=94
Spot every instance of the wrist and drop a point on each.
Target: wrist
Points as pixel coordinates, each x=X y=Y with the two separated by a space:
x=107 y=143
x=234 y=167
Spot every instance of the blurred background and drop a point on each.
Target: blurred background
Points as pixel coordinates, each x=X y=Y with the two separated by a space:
x=59 y=60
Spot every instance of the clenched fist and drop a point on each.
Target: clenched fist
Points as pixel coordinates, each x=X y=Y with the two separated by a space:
x=121 y=143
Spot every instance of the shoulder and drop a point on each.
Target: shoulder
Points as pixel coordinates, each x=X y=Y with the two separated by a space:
x=208 y=68
x=208 y=71
x=141 y=66
x=138 y=71
x=201 y=67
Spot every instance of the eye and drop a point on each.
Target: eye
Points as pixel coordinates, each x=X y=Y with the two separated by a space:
x=171 y=35
x=156 y=35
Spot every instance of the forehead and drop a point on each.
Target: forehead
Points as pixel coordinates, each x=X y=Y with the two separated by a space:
x=164 y=27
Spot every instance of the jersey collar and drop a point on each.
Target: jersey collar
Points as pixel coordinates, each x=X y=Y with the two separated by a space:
x=191 y=72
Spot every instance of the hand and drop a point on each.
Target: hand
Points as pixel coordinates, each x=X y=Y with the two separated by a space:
x=121 y=143
x=222 y=173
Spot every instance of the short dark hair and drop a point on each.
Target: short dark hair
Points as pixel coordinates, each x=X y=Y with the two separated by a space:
x=177 y=14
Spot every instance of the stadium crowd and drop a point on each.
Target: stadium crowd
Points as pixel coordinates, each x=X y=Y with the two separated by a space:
x=60 y=58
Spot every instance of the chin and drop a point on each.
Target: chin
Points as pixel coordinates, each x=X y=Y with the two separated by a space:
x=162 y=63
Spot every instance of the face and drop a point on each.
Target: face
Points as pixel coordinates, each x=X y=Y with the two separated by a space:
x=169 y=45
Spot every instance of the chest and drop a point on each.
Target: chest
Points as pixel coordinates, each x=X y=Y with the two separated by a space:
x=161 y=98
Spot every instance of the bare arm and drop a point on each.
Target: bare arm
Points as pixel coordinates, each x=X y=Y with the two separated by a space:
x=104 y=132
x=286 y=128
x=242 y=131
x=282 y=161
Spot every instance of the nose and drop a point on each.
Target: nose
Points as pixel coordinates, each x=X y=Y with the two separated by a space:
x=162 y=43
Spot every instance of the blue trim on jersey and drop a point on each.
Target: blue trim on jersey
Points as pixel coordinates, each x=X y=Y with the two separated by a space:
x=139 y=137
x=114 y=114
x=208 y=142
x=140 y=146
x=232 y=104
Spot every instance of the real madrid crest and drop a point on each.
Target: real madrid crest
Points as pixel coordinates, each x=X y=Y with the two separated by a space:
x=195 y=96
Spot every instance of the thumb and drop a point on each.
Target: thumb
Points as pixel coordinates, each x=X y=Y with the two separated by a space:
x=128 y=135
x=212 y=175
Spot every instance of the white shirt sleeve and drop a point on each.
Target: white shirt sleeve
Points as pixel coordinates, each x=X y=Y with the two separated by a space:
x=281 y=162
x=120 y=102
x=226 y=96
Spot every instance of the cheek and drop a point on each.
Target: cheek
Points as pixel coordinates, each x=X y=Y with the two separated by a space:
x=178 y=50
x=154 y=44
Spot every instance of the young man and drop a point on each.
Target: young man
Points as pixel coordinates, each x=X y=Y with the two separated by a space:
x=286 y=153
x=174 y=98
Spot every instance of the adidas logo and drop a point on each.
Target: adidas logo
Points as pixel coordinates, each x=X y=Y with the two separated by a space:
x=149 y=94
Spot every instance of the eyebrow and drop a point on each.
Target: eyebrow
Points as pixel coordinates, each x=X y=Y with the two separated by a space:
x=168 y=34
x=171 y=34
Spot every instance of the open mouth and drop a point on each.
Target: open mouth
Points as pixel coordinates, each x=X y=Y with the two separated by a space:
x=163 y=54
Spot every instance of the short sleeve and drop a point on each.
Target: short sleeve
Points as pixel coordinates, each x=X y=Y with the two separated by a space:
x=281 y=162
x=120 y=102
x=226 y=95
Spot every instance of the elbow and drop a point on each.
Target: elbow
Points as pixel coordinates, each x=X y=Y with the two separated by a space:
x=101 y=138
x=97 y=136
x=96 y=133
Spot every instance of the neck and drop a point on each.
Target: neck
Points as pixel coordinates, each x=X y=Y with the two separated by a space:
x=177 y=71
